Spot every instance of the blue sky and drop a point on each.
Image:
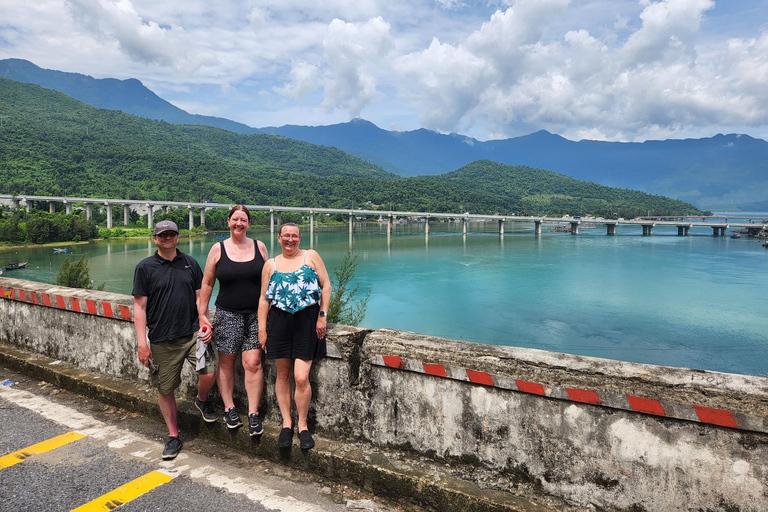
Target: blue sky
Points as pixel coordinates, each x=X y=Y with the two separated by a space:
x=585 y=69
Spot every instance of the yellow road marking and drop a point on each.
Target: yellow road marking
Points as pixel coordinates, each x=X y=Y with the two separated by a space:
x=23 y=454
x=126 y=493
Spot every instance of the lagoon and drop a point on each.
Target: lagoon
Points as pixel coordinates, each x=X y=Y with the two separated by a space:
x=696 y=301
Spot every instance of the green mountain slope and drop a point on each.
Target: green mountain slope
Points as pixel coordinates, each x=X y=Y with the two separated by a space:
x=52 y=144
x=130 y=95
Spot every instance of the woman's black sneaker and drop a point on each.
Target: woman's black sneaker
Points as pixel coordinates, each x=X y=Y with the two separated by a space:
x=172 y=448
x=232 y=418
x=286 y=438
x=254 y=425
x=305 y=440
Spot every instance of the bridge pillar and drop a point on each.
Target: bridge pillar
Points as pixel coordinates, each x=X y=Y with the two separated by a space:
x=501 y=227
x=51 y=207
x=426 y=226
x=88 y=211
x=311 y=225
x=537 y=227
x=351 y=223
x=715 y=230
x=271 y=222
x=680 y=230
x=109 y=214
x=464 y=222
x=126 y=214
x=68 y=207
x=279 y=220
x=165 y=209
x=574 y=228
x=610 y=229
x=29 y=205
x=16 y=202
x=686 y=229
x=202 y=216
x=149 y=216
x=390 y=222
x=191 y=215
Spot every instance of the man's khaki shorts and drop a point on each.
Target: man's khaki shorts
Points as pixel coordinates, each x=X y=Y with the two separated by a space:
x=169 y=358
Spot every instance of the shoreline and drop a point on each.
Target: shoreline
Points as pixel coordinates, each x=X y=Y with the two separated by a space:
x=183 y=233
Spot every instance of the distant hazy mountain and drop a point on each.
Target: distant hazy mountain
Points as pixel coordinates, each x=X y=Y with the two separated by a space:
x=724 y=171
x=720 y=172
x=129 y=96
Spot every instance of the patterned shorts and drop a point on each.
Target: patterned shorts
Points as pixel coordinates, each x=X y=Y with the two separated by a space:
x=235 y=332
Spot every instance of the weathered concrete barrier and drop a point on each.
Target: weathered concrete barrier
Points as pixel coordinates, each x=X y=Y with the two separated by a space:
x=599 y=434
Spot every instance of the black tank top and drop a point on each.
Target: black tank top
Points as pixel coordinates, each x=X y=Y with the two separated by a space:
x=239 y=282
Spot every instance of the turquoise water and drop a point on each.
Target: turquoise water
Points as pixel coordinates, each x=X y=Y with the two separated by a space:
x=696 y=301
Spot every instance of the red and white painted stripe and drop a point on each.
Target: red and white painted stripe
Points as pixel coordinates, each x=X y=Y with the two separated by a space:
x=78 y=305
x=687 y=412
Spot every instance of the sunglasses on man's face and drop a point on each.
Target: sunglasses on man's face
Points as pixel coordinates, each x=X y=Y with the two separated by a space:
x=167 y=234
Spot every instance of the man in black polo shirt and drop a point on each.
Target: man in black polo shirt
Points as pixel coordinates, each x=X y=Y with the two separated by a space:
x=165 y=290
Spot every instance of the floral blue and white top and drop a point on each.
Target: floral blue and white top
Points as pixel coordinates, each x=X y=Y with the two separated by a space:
x=294 y=291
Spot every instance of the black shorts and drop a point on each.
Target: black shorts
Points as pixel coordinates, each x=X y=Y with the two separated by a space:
x=294 y=336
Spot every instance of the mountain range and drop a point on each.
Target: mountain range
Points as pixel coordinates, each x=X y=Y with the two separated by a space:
x=720 y=172
x=52 y=144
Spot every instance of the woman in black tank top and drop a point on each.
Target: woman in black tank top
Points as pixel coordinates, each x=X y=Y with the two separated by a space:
x=237 y=263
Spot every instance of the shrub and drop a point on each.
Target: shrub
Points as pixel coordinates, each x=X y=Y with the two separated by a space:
x=342 y=308
x=76 y=275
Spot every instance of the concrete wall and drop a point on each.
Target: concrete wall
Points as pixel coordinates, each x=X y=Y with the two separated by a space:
x=601 y=434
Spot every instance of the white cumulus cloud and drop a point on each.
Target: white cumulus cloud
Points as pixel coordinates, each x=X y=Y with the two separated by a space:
x=604 y=69
x=354 y=56
x=118 y=21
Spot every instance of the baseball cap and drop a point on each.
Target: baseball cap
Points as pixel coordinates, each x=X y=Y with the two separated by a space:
x=165 y=225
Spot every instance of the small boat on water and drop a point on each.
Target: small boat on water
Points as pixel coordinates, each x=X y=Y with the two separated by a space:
x=16 y=265
x=735 y=235
x=59 y=249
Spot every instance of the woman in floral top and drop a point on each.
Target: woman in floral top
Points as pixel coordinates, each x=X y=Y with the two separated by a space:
x=295 y=292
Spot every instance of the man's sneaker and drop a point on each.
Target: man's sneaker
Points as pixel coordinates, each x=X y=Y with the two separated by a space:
x=232 y=418
x=254 y=425
x=172 y=448
x=206 y=409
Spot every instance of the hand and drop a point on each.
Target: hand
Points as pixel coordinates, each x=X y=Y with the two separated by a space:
x=206 y=332
x=263 y=340
x=145 y=354
x=321 y=327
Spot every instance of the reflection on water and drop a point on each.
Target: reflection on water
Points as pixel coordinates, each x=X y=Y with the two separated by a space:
x=695 y=301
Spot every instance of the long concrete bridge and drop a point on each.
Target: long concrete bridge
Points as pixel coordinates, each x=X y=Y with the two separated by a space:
x=684 y=224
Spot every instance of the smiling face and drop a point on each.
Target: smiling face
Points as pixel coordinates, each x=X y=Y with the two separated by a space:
x=166 y=240
x=238 y=223
x=290 y=237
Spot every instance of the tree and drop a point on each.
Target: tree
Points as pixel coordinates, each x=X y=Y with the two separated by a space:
x=76 y=275
x=342 y=308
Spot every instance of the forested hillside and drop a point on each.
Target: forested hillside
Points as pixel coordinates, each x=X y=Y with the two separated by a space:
x=129 y=96
x=52 y=144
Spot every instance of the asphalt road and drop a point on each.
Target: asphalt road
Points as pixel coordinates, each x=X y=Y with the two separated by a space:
x=119 y=447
